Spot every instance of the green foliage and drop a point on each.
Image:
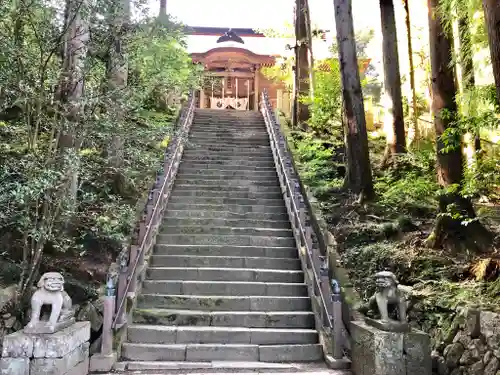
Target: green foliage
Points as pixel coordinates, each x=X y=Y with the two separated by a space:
x=326 y=106
x=410 y=187
x=316 y=164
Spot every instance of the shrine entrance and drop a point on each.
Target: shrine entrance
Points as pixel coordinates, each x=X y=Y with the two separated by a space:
x=232 y=78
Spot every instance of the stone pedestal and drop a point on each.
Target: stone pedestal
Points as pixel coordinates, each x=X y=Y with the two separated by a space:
x=377 y=352
x=65 y=352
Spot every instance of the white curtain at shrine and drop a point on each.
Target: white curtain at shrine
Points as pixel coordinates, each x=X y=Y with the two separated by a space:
x=240 y=104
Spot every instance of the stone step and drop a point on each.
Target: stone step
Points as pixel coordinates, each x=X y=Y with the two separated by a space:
x=228 y=138
x=157 y=334
x=207 y=214
x=214 y=239
x=225 y=367
x=214 y=193
x=218 y=188
x=212 y=261
x=234 y=223
x=223 y=173
x=222 y=250
x=229 y=164
x=233 y=208
x=224 y=230
x=215 y=134
x=234 y=166
x=241 y=183
x=222 y=146
x=223 y=303
x=255 y=178
x=224 y=274
x=198 y=154
x=227 y=201
x=224 y=142
x=256 y=319
x=223 y=288
x=220 y=352
x=235 y=150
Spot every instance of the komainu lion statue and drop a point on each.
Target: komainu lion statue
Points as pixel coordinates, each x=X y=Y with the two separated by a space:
x=389 y=296
x=50 y=292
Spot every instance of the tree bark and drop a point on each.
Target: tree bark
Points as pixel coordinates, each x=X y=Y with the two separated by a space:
x=454 y=208
x=395 y=126
x=492 y=19
x=359 y=174
x=301 y=64
x=163 y=8
x=467 y=64
x=416 y=130
x=117 y=74
x=71 y=90
x=312 y=79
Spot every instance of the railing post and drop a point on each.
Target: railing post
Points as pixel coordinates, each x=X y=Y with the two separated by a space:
x=337 y=320
x=123 y=278
x=107 y=322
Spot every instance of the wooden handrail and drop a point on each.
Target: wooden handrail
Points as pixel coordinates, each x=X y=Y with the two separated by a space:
x=155 y=205
x=328 y=292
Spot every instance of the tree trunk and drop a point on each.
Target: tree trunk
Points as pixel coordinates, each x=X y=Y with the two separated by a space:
x=416 y=130
x=70 y=91
x=453 y=207
x=395 y=125
x=301 y=64
x=359 y=174
x=163 y=8
x=117 y=74
x=492 y=19
x=312 y=79
x=467 y=64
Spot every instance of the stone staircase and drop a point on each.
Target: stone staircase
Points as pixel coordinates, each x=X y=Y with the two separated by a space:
x=224 y=283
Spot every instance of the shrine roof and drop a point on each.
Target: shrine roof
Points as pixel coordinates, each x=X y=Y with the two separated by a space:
x=203 y=30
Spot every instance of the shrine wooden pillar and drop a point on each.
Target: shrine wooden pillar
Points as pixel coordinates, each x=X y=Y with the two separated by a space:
x=256 y=89
x=202 y=97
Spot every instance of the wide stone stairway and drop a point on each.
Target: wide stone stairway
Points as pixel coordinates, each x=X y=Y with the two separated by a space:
x=224 y=282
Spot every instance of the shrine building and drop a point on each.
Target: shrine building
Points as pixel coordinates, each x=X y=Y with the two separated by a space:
x=233 y=60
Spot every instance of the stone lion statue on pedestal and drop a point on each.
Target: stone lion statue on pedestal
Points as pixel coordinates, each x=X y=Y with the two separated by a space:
x=50 y=292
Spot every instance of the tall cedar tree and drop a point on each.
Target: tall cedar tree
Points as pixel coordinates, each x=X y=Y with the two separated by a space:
x=416 y=135
x=492 y=19
x=395 y=130
x=302 y=68
x=454 y=208
x=467 y=62
x=359 y=174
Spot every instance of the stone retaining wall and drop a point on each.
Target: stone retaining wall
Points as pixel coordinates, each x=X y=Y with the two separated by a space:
x=472 y=346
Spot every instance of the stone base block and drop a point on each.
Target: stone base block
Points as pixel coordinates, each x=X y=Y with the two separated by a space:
x=337 y=364
x=14 y=366
x=44 y=327
x=378 y=352
x=54 y=345
x=80 y=369
x=57 y=366
x=103 y=363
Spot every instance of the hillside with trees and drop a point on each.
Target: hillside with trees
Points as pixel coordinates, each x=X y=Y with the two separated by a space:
x=87 y=93
x=418 y=194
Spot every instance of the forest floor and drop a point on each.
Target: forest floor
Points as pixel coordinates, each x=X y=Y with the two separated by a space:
x=389 y=233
